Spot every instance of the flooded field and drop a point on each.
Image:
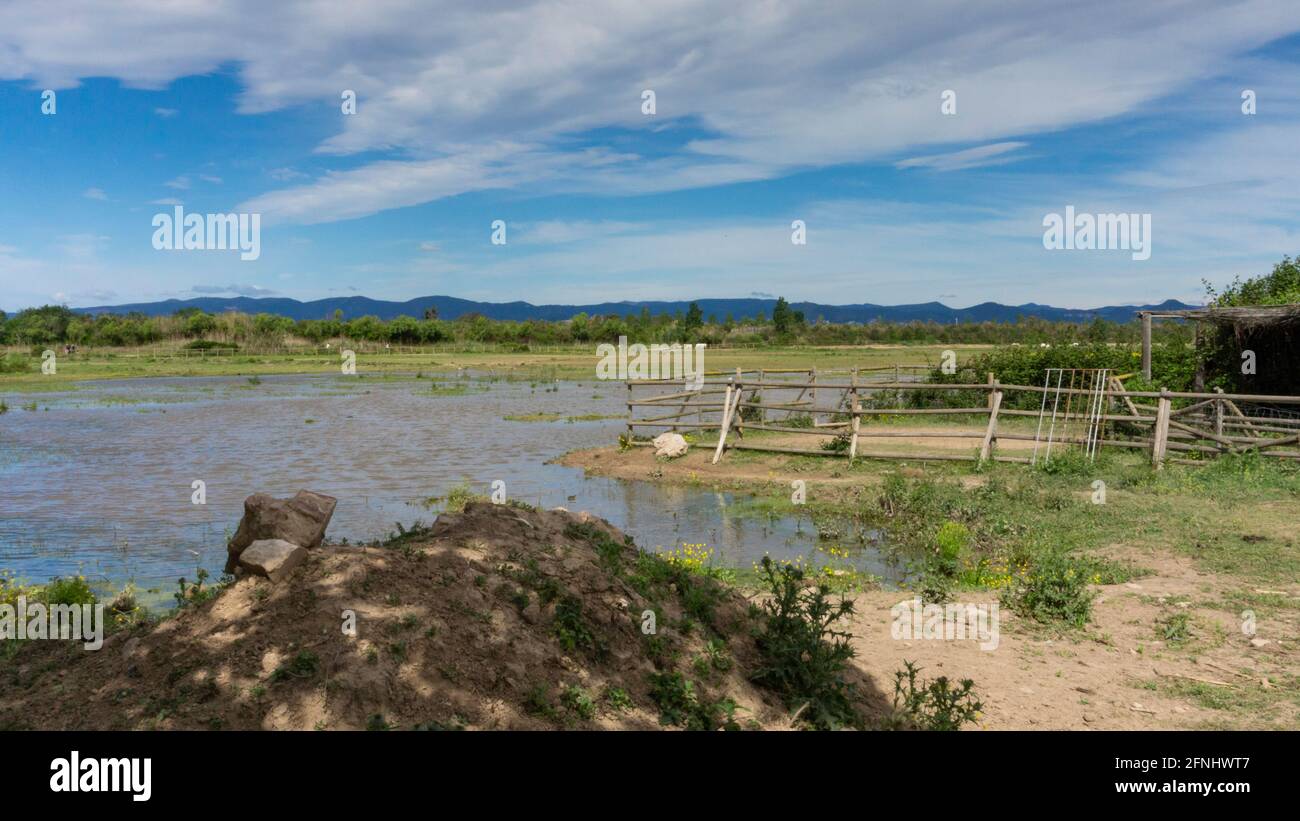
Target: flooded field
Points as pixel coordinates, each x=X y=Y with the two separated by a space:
x=100 y=479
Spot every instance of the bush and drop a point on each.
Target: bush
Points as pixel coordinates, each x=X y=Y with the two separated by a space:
x=14 y=363
x=1054 y=590
x=803 y=655
x=68 y=591
x=935 y=705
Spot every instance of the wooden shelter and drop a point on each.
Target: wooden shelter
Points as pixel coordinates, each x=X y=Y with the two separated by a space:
x=1244 y=321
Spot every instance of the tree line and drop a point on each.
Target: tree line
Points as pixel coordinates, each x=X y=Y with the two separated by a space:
x=58 y=325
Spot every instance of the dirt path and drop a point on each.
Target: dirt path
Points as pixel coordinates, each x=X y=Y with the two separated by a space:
x=1115 y=675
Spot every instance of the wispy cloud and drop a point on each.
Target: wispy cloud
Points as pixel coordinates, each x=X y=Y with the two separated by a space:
x=233 y=290
x=978 y=157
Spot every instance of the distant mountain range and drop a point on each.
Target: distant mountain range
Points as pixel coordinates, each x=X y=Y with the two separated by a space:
x=452 y=308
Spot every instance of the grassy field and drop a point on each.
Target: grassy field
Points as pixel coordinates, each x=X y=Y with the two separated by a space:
x=575 y=363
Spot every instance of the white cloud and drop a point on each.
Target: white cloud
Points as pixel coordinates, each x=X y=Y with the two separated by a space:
x=166 y=113
x=776 y=87
x=978 y=157
x=95 y=194
x=233 y=289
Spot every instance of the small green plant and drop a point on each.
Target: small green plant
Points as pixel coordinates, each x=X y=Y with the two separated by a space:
x=1176 y=628
x=1054 y=590
x=578 y=701
x=195 y=593
x=804 y=655
x=538 y=703
x=838 y=443
x=680 y=704
x=934 y=705
x=571 y=629
x=618 y=699
x=303 y=665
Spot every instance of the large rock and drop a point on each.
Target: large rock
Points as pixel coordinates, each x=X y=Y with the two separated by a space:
x=299 y=521
x=272 y=558
x=670 y=445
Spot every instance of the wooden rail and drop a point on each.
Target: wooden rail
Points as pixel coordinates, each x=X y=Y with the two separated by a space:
x=1200 y=423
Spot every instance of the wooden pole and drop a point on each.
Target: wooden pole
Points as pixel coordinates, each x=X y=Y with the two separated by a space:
x=630 y=411
x=995 y=403
x=857 y=422
x=1218 y=414
x=740 y=415
x=1146 y=346
x=855 y=408
x=812 y=394
x=727 y=408
x=1160 y=438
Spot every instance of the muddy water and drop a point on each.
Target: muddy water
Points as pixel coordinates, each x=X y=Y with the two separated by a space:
x=99 y=479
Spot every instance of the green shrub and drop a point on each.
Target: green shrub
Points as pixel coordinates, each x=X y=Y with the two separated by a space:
x=1054 y=590
x=934 y=705
x=68 y=591
x=803 y=655
x=14 y=363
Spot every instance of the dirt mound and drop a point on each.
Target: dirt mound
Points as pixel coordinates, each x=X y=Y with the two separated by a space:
x=497 y=617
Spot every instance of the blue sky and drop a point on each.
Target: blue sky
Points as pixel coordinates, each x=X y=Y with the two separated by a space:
x=530 y=113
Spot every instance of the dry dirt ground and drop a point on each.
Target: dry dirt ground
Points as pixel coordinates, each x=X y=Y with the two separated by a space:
x=1115 y=674
x=484 y=621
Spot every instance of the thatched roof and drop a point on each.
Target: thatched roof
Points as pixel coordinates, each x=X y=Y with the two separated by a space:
x=1242 y=316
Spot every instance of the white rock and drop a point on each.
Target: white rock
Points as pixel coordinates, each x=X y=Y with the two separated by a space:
x=670 y=445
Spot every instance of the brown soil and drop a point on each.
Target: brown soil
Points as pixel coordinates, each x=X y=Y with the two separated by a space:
x=442 y=641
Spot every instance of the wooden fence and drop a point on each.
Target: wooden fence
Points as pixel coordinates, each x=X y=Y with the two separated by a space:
x=820 y=405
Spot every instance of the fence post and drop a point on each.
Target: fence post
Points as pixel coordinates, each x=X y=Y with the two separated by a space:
x=812 y=394
x=762 y=412
x=630 y=411
x=855 y=407
x=1218 y=414
x=995 y=404
x=726 y=423
x=740 y=397
x=1160 y=440
x=1146 y=346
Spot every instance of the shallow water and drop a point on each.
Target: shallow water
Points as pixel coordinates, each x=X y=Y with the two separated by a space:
x=98 y=479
